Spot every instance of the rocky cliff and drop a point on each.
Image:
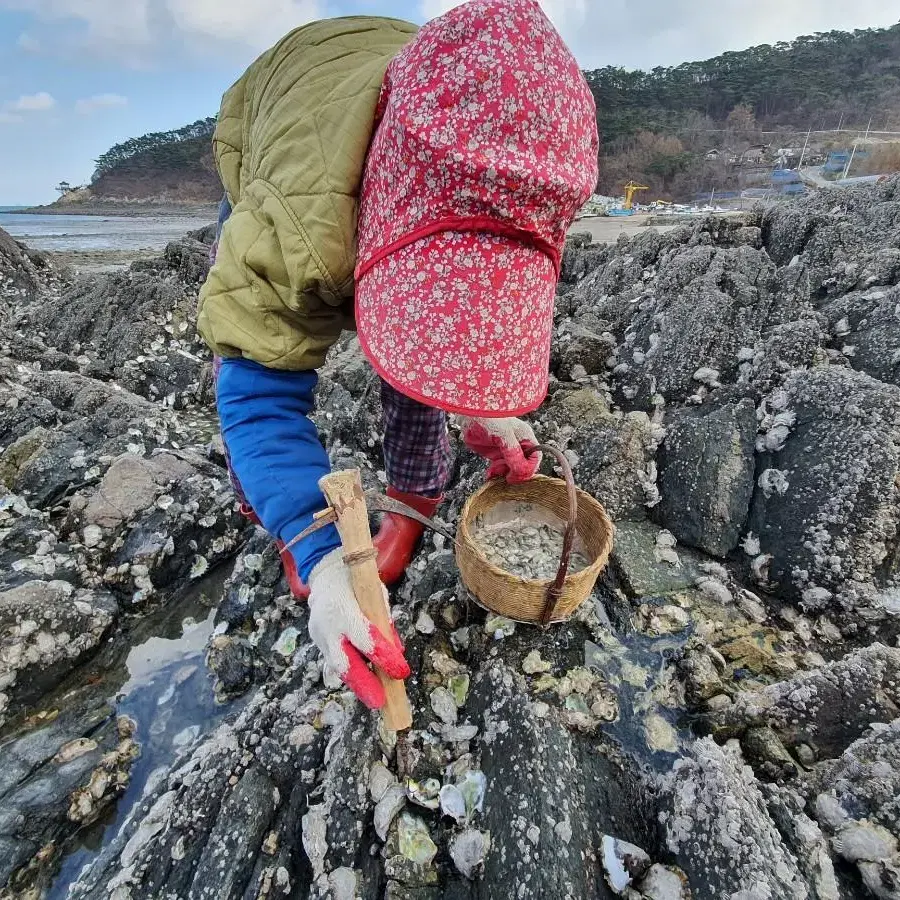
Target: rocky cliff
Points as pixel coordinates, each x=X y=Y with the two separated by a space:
x=721 y=720
x=155 y=171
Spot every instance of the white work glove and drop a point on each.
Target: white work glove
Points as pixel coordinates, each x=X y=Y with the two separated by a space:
x=346 y=637
x=503 y=442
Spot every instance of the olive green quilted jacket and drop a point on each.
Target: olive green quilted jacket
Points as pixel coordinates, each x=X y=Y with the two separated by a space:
x=290 y=145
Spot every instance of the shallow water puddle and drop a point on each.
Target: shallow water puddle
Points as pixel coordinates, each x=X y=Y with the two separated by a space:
x=650 y=706
x=168 y=692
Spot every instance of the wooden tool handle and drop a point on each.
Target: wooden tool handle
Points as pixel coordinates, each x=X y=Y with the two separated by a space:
x=344 y=493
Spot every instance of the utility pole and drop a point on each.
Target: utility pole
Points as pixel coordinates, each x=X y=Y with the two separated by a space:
x=850 y=161
x=868 y=128
x=841 y=122
x=803 y=154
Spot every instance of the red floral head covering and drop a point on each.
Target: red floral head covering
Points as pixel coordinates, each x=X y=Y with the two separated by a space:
x=486 y=148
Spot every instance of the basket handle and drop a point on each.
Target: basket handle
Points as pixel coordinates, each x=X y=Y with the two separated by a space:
x=554 y=591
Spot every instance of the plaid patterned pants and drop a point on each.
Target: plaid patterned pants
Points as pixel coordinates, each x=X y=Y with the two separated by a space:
x=417 y=454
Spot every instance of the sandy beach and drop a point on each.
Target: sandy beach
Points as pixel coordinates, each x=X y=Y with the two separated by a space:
x=608 y=229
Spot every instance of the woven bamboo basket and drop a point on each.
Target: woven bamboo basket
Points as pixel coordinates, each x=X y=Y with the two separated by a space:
x=586 y=525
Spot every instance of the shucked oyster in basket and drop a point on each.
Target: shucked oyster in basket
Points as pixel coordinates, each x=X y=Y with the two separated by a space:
x=528 y=545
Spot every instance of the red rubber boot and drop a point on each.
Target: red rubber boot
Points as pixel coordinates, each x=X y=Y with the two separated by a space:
x=398 y=536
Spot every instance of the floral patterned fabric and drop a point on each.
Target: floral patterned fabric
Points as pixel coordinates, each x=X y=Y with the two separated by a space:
x=486 y=149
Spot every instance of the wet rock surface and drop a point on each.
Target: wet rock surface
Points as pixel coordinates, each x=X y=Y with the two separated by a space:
x=719 y=721
x=112 y=507
x=48 y=627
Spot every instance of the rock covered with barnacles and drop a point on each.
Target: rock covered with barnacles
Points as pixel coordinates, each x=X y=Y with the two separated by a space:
x=66 y=775
x=716 y=822
x=111 y=504
x=706 y=474
x=826 y=708
x=46 y=629
x=25 y=274
x=138 y=326
x=699 y=729
x=802 y=322
x=827 y=508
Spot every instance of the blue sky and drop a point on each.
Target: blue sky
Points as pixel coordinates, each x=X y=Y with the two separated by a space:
x=77 y=76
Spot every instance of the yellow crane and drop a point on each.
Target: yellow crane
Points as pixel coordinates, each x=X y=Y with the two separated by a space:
x=630 y=190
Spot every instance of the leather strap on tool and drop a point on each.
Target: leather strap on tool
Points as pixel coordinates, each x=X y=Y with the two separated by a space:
x=374 y=500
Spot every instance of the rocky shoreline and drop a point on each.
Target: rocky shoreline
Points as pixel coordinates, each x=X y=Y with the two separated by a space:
x=721 y=721
x=124 y=208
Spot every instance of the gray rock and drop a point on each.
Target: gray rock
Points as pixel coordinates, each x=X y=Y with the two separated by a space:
x=786 y=230
x=228 y=857
x=130 y=485
x=872 y=323
x=840 y=514
x=644 y=575
x=47 y=628
x=689 y=324
x=612 y=452
x=781 y=349
x=826 y=708
x=706 y=476
x=44 y=770
x=805 y=839
x=24 y=273
x=140 y=323
x=708 y=306
x=716 y=822
x=865 y=780
x=576 y=345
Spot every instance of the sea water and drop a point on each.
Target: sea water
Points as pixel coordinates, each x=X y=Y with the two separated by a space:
x=98 y=233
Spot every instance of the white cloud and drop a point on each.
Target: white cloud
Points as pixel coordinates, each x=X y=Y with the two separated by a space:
x=99 y=101
x=631 y=33
x=256 y=24
x=134 y=29
x=27 y=103
x=649 y=33
x=560 y=12
x=125 y=21
x=39 y=102
x=28 y=43
x=431 y=9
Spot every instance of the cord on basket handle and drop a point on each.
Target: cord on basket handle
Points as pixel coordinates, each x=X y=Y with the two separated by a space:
x=554 y=591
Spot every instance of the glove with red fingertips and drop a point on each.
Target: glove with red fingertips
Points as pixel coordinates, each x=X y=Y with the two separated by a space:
x=346 y=637
x=504 y=443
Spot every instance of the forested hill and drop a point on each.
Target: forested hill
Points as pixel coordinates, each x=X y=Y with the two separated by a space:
x=803 y=83
x=174 y=167
x=658 y=127
x=664 y=121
